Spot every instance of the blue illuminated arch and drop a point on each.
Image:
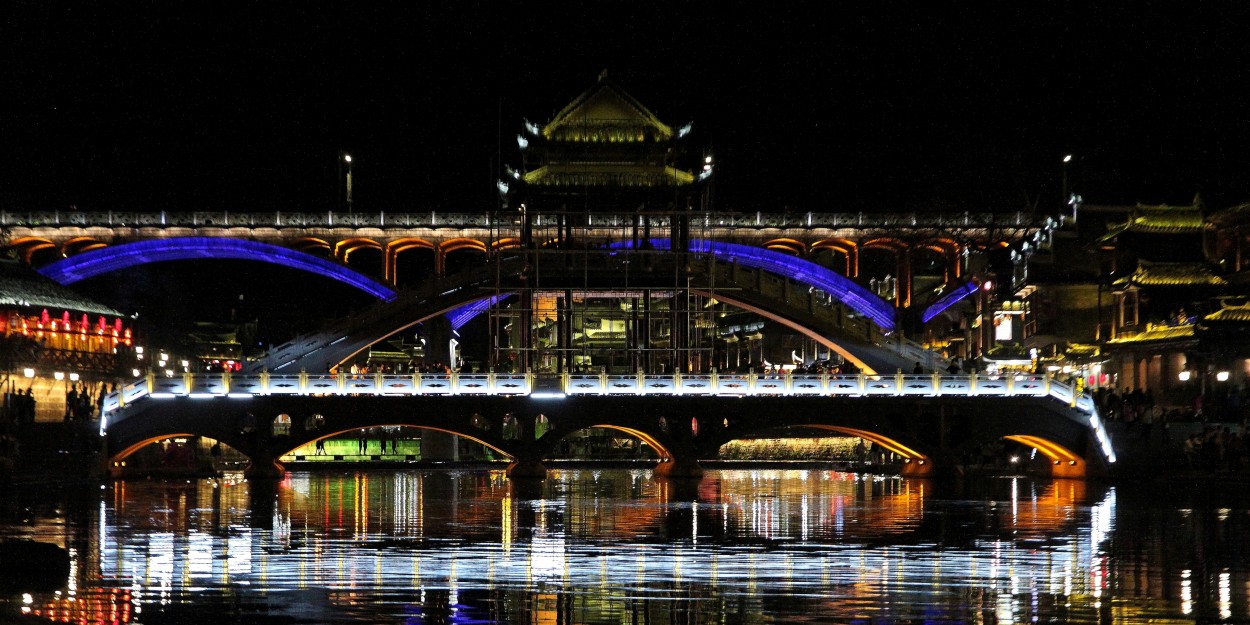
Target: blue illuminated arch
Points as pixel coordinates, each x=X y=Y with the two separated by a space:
x=950 y=299
x=844 y=289
x=125 y=256
x=466 y=313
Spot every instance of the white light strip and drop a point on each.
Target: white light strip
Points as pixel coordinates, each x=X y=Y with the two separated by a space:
x=202 y=396
x=548 y=395
x=240 y=395
x=162 y=395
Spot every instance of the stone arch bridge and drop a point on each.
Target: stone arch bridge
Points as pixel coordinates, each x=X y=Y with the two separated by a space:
x=931 y=423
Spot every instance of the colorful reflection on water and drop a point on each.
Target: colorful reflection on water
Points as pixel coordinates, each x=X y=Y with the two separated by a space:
x=618 y=546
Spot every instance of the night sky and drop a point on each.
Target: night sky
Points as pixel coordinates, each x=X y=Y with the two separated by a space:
x=829 y=106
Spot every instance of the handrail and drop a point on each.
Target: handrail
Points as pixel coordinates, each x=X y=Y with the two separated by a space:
x=237 y=386
x=433 y=219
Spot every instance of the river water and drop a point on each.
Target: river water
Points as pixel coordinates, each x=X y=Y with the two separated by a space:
x=620 y=546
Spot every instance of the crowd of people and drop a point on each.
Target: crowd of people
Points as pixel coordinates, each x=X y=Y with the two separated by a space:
x=1217 y=449
x=18 y=407
x=369 y=368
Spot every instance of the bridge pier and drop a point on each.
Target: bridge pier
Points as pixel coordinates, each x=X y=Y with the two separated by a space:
x=679 y=468
x=918 y=468
x=264 y=469
x=527 y=469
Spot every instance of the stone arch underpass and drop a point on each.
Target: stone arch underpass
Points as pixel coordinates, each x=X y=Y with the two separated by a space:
x=929 y=435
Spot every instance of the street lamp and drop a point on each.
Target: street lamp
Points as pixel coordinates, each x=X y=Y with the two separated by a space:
x=348 y=159
x=1067 y=158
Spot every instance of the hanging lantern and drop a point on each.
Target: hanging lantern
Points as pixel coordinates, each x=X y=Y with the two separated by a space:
x=44 y=318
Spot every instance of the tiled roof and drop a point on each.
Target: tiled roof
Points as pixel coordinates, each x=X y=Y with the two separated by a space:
x=1171 y=274
x=606 y=114
x=1157 y=333
x=1079 y=350
x=21 y=287
x=1161 y=219
x=1233 y=314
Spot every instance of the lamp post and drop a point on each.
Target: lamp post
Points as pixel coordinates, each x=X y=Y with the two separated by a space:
x=348 y=159
x=1067 y=158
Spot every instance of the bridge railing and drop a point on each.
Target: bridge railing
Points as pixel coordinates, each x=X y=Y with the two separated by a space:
x=210 y=386
x=204 y=386
x=437 y=219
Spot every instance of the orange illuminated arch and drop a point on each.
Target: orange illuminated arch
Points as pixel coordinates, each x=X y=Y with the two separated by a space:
x=1063 y=462
x=848 y=247
x=304 y=243
x=461 y=243
x=343 y=249
x=948 y=259
x=506 y=243
x=125 y=453
x=390 y=262
x=77 y=245
x=907 y=453
x=29 y=245
x=727 y=297
x=661 y=450
x=790 y=246
x=950 y=249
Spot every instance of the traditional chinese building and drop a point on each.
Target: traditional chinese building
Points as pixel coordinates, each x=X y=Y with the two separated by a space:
x=53 y=340
x=605 y=151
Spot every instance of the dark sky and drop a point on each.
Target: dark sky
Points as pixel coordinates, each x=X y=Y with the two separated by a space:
x=827 y=106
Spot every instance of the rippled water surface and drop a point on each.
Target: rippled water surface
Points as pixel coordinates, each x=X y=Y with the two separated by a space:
x=619 y=546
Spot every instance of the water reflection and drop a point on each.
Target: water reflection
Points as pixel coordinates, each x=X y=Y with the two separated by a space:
x=624 y=547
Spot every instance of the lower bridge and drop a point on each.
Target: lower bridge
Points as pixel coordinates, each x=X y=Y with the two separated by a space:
x=930 y=423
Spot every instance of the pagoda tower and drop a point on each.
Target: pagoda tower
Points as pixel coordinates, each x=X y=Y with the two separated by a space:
x=604 y=152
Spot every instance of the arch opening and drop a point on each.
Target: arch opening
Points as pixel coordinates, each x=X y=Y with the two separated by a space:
x=179 y=453
x=394 y=443
x=1056 y=459
x=412 y=263
x=603 y=442
x=814 y=442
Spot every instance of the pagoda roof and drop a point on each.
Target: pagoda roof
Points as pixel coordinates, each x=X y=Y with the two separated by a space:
x=1171 y=274
x=606 y=114
x=22 y=288
x=1231 y=313
x=599 y=175
x=1161 y=219
x=1158 y=333
x=1081 y=350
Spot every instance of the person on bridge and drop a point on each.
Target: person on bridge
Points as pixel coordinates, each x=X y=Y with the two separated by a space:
x=918 y=370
